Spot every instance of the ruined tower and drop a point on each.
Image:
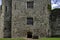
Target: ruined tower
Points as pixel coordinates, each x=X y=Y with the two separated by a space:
x=25 y=18
x=6 y=17
x=1 y=35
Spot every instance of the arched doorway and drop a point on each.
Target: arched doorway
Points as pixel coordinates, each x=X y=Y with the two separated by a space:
x=29 y=34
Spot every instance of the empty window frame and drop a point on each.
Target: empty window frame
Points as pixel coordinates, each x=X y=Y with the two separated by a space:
x=30 y=4
x=29 y=21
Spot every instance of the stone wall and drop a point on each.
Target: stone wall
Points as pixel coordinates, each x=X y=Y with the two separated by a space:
x=0 y=9
x=40 y=15
x=0 y=22
x=20 y=12
x=6 y=18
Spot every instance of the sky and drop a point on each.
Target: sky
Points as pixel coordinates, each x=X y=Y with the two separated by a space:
x=54 y=3
x=0 y=2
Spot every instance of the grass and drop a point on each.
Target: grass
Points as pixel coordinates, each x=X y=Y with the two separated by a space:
x=24 y=39
x=49 y=39
x=12 y=39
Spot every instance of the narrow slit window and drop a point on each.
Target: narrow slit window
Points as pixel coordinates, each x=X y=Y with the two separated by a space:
x=6 y=8
x=15 y=6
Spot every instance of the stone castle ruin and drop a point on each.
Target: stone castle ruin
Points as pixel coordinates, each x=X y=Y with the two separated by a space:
x=24 y=18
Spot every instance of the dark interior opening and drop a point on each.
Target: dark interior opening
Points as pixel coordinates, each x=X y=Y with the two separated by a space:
x=29 y=34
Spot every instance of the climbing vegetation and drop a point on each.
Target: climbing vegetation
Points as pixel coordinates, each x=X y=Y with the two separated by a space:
x=49 y=7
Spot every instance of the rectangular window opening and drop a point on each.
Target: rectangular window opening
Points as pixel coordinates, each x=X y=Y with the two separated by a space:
x=30 y=21
x=30 y=4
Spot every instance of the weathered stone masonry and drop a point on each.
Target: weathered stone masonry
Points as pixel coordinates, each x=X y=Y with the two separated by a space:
x=39 y=13
x=17 y=14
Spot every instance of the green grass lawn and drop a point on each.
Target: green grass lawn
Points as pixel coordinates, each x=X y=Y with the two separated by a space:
x=24 y=39
x=49 y=39
x=12 y=39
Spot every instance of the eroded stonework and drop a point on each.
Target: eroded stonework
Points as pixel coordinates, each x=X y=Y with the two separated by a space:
x=18 y=12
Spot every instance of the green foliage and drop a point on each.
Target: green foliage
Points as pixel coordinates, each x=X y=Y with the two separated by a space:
x=12 y=39
x=49 y=39
x=25 y=39
x=56 y=11
x=49 y=7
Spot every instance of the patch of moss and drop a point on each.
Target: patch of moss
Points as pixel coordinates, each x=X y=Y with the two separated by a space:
x=49 y=7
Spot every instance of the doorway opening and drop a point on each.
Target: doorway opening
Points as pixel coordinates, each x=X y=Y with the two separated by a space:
x=29 y=34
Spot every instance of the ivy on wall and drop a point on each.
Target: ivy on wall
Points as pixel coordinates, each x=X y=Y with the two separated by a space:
x=49 y=7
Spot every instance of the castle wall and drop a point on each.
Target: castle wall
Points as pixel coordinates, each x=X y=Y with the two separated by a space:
x=39 y=13
x=6 y=18
x=20 y=13
x=0 y=9
x=1 y=28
